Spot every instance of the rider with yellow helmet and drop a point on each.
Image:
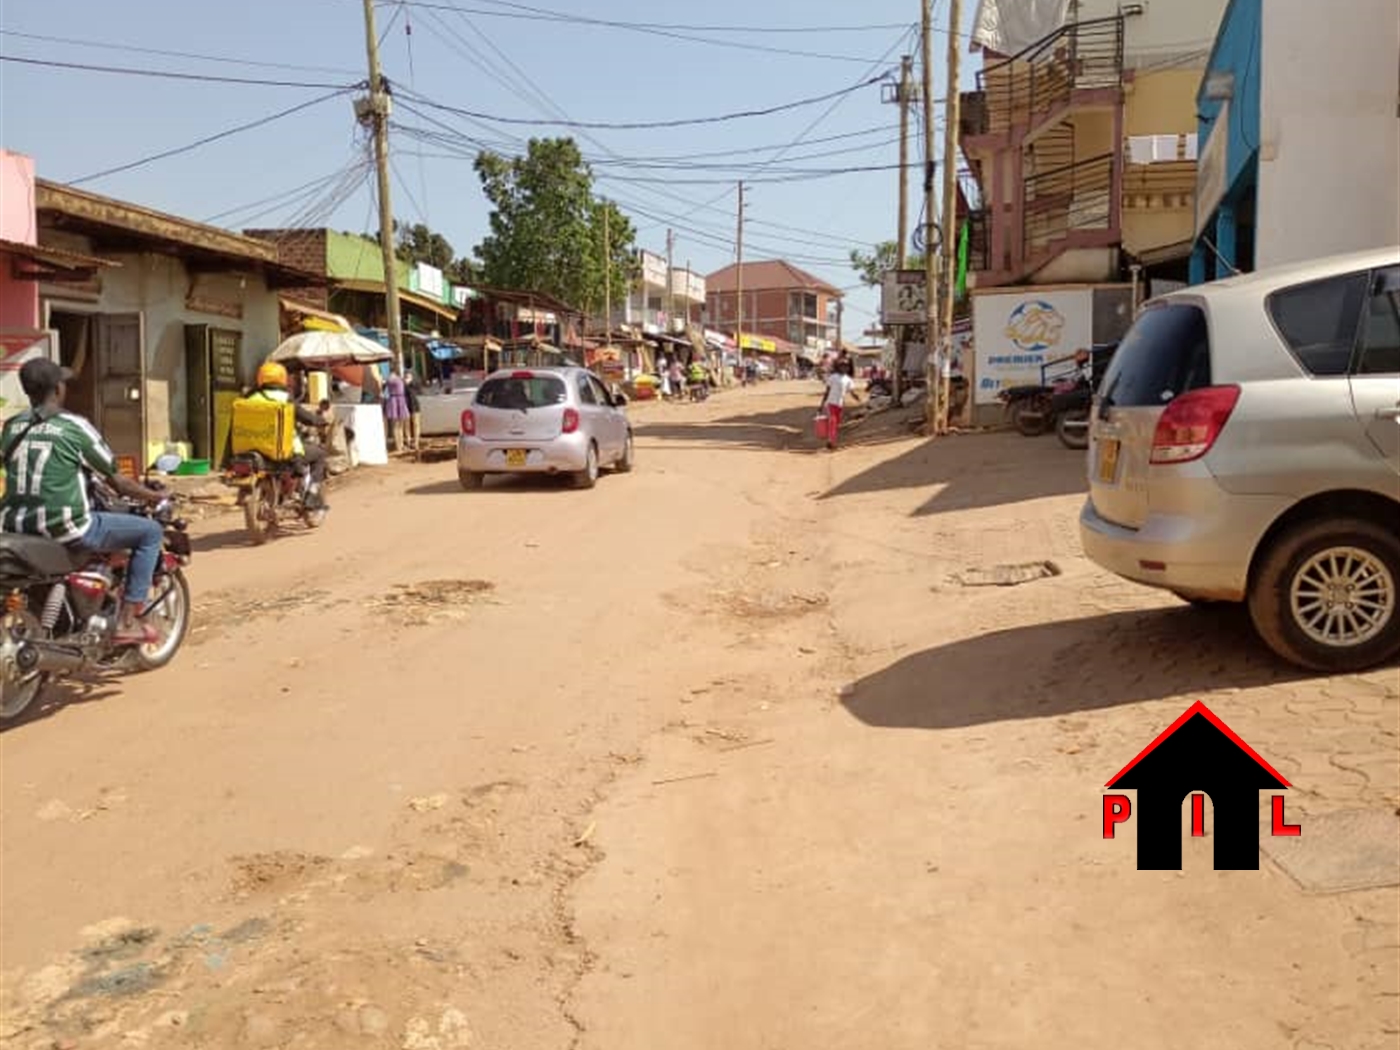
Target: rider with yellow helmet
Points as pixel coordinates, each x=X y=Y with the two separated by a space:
x=272 y=386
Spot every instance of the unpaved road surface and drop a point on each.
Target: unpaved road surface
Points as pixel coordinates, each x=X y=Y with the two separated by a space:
x=731 y=752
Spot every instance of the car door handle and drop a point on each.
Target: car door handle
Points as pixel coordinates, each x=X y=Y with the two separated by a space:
x=1388 y=413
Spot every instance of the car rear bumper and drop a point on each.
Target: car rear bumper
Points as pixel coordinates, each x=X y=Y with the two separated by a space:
x=565 y=454
x=1203 y=554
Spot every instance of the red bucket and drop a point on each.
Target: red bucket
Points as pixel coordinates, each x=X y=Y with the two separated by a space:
x=819 y=426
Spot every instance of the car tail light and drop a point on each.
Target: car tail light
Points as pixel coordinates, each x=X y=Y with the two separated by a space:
x=1192 y=423
x=570 y=420
x=468 y=422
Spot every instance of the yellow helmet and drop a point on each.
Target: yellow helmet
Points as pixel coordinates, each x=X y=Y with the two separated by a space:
x=270 y=373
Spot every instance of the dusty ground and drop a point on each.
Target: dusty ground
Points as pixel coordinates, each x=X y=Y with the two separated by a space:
x=723 y=753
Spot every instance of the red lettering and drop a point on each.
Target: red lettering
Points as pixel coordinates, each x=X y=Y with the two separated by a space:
x=1280 y=828
x=1116 y=809
x=1198 y=816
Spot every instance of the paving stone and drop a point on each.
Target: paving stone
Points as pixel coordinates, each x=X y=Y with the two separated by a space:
x=1337 y=852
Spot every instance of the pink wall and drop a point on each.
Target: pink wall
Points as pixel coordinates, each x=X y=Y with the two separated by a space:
x=19 y=300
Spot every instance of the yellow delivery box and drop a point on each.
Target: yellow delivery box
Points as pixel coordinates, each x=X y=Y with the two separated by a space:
x=266 y=427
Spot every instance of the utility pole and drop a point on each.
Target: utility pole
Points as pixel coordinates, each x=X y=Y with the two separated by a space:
x=607 y=279
x=670 y=282
x=905 y=97
x=739 y=281
x=930 y=214
x=377 y=113
x=952 y=112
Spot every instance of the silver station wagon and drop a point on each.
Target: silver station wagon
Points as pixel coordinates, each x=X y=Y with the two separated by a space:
x=544 y=421
x=1245 y=447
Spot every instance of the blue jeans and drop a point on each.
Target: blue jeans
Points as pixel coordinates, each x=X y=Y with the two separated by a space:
x=110 y=533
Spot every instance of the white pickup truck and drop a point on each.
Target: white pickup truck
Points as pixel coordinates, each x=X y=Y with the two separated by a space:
x=441 y=406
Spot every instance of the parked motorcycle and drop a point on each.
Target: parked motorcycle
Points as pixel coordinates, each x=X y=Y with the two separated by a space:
x=271 y=493
x=61 y=607
x=1071 y=408
x=1031 y=408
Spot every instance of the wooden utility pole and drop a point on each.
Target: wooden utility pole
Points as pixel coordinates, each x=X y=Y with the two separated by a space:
x=607 y=279
x=670 y=283
x=930 y=216
x=952 y=113
x=378 y=115
x=739 y=281
x=904 y=97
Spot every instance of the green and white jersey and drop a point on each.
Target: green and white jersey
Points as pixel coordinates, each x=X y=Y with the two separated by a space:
x=45 y=491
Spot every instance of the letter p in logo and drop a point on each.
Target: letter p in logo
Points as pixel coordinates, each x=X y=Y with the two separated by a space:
x=1116 y=809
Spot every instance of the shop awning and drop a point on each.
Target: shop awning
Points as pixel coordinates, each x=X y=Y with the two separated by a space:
x=309 y=314
x=52 y=259
x=423 y=302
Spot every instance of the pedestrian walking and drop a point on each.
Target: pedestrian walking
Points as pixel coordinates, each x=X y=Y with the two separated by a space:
x=677 y=376
x=415 y=410
x=663 y=368
x=839 y=385
x=396 y=409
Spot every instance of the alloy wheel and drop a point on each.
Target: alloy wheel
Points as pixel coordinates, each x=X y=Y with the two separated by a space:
x=1342 y=596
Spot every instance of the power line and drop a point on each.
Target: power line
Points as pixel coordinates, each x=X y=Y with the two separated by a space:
x=207 y=78
x=134 y=49
x=260 y=122
x=285 y=195
x=645 y=125
x=539 y=13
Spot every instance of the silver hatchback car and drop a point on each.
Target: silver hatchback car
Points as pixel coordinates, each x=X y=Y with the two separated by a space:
x=543 y=421
x=1245 y=447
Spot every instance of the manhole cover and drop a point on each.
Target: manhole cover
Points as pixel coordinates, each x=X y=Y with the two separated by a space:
x=1007 y=575
x=1354 y=849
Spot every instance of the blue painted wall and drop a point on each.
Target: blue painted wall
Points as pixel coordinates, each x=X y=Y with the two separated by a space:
x=1236 y=50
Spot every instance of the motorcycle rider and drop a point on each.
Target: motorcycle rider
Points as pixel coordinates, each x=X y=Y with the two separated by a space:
x=272 y=386
x=46 y=451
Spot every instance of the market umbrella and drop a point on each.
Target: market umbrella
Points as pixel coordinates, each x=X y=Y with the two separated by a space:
x=324 y=349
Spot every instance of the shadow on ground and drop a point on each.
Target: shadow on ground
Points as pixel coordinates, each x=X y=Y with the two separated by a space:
x=65 y=693
x=505 y=483
x=1045 y=670
x=975 y=470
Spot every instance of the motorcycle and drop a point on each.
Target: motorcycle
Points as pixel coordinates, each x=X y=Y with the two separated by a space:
x=1071 y=408
x=61 y=606
x=1031 y=407
x=270 y=492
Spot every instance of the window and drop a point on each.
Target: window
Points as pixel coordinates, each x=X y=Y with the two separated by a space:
x=600 y=392
x=1165 y=353
x=522 y=392
x=1380 y=328
x=585 y=392
x=1318 y=321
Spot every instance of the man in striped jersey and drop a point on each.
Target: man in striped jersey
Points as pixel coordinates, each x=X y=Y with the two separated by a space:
x=46 y=451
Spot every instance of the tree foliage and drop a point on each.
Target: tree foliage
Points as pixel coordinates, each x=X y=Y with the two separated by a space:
x=420 y=244
x=547 y=227
x=872 y=266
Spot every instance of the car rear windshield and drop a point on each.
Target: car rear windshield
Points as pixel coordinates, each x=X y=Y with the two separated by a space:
x=517 y=392
x=1165 y=353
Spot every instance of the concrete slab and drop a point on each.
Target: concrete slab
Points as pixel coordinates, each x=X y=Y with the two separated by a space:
x=1356 y=849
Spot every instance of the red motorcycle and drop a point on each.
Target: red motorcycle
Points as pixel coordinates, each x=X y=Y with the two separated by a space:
x=61 y=606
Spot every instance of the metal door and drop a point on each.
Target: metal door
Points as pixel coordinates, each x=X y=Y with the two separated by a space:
x=199 y=414
x=121 y=384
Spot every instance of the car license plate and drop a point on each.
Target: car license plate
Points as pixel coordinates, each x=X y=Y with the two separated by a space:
x=515 y=457
x=1108 y=460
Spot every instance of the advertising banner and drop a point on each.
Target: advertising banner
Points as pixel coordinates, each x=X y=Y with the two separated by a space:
x=1017 y=331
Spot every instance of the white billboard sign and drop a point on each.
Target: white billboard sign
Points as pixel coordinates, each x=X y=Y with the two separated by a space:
x=1017 y=331
x=902 y=300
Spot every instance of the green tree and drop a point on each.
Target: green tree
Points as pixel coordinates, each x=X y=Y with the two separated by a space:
x=419 y=244
x=547 y=227
x=871 y=266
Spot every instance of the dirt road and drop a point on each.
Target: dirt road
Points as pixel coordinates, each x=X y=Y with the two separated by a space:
x=730 y=751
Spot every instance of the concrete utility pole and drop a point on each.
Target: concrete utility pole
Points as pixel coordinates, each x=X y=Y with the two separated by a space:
x=670 y=282
x=930 y=214
x=952 y=112
x=378 y=115
x=739 y=281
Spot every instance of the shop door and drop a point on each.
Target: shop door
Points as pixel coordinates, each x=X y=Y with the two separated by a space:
x=121 y=384
x=212 y=384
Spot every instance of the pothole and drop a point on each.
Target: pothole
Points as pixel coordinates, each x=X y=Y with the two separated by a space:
x=434 y=600
x=1007 y=575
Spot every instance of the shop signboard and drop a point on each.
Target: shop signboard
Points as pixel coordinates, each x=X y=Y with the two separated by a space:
x=1017 y=331
x=903 y=297
x=18 y=345
x=429 y=280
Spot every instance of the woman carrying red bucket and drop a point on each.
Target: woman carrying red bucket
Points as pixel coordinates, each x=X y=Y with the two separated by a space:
x=839 y=384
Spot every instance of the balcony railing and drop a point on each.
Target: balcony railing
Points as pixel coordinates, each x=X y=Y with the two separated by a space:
x=1077 y=57
x=1170 y=183
x=1076 y=198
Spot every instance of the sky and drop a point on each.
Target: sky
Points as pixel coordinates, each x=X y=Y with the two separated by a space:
x=499 y=59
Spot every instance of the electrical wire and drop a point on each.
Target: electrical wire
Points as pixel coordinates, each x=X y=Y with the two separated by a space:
x=134 y=49
x=206 y=78
x=276 y=198
x=542 y=13
x=206 y=140
x=649 y=125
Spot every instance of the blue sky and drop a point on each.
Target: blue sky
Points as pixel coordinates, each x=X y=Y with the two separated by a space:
x=481 y=55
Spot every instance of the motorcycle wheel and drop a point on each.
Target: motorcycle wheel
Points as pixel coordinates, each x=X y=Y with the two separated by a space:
x=170 y=615
x=1072 y=428
x=259 y=509
x=1030 y=424
x=17 y=691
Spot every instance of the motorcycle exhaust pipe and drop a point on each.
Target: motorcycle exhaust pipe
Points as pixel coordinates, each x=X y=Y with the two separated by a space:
x=48 y=658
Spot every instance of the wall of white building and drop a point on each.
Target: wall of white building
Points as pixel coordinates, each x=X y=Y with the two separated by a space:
x=1329 y=144
x=1167 y=31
